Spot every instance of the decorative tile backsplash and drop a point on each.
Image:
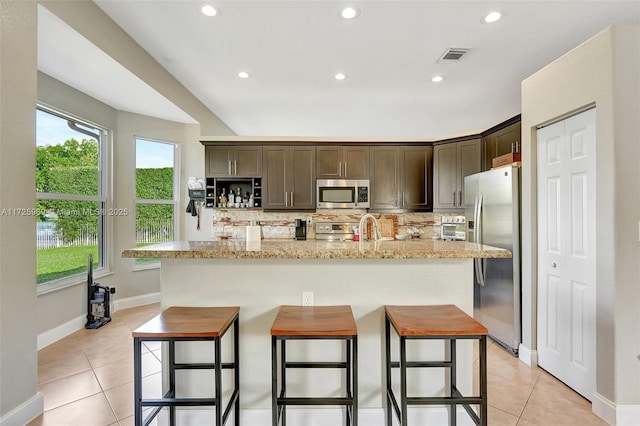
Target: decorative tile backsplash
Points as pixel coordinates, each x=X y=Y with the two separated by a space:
x=282 y=225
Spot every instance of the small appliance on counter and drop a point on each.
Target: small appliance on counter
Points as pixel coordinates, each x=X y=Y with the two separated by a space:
x=453 y=228
x=301 y=229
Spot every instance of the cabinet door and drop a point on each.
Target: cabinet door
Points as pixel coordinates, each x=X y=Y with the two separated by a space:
x=468 y=164
x=301 y=176
x=218 y=161
x=488 y=151
x=415 y=180
x=329 y=162
x=506 y=137
x=356 y=162
x=274 y=189
x=248 y=161
x=384 y=177
x=445 y=176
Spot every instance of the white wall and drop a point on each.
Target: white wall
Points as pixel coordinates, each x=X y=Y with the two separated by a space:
x=603 y=72
x=23 y=315
x=18 y=355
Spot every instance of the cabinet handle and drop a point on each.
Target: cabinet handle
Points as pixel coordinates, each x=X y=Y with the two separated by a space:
x=286 y=199
x=345 y=169
x=339 y=168
x=402 y=198
x=235 y=167
x=454 y=199
x=291 y=198
x=460 y=198
x=230 y=168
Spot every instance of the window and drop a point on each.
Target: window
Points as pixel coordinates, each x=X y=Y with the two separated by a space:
x=70 y=198
x=156 y=200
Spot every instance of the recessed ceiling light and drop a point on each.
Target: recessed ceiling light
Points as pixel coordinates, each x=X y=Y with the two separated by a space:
x=492 y=17
x=209 y=10
x=340 y=76
x=349 y=12
x=244 y=74
x=437 y=79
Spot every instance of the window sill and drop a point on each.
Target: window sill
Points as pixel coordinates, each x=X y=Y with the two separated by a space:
x=61 y=284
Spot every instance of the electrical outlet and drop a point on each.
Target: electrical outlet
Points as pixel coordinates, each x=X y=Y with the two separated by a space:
x=309 y=220
x=307 y=298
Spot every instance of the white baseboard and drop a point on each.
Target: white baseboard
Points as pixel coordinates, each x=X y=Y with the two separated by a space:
x=132 y=302
x=27 y=411
x=627 y=414
x=528 y=356
x=617 y=415
x=603 y=408
x=53 y=335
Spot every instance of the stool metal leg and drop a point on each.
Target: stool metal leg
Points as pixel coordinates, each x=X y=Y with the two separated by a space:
x=354 y=413
x=236 y=361
x=483 y=381
x=172 y=380
x=137 y=380
x=274 y=381
x=387 y=348
x=217 y=359
x=283 y=373
x=403 y=380
x=453 y=380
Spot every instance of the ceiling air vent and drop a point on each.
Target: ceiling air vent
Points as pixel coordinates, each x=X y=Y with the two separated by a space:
x=453 y=54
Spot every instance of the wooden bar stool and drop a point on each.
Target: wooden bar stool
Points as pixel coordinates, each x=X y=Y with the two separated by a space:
x=188 y=324
x=314 y=322
x=446 y=322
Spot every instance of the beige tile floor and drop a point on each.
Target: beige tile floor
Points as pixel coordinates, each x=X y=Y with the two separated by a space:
x=87 y=379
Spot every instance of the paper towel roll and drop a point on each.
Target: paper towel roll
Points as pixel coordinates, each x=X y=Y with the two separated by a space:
x=253 y=233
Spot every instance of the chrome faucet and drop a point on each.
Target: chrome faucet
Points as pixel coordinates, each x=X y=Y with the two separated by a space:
x=376 y=230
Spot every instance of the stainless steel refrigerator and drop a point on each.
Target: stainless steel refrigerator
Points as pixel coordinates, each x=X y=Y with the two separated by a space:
x=492 y=210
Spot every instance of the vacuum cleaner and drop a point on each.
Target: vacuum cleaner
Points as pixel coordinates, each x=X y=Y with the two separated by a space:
x=98 y=300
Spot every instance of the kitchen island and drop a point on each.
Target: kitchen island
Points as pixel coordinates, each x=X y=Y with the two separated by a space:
x=261 y=276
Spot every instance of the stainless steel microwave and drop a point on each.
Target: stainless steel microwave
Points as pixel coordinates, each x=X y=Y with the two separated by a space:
x=343 y=194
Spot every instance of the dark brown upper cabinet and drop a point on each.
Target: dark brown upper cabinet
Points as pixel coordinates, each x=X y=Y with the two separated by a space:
x=451 y=163
x=233 y=161
x=342 y=162
x=289 y=177
x=401 y=177
x=499 y=143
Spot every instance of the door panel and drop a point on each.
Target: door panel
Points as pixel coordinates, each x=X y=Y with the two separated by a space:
x=328 y=162
x=218 y=161
x=357 y=162
x=566 y=245
x=444 y=180
x=302 y=181
x=275 y=170
x=248 y=161
x=384 y=177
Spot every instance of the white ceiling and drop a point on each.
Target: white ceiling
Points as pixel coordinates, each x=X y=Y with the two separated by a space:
x=293 y=48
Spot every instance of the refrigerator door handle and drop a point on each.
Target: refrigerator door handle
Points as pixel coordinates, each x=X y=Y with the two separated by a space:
x=478 y=238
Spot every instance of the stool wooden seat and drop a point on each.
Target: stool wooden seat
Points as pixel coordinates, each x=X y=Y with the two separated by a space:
x=180 y=323
x=314 y=322
x=446 y=322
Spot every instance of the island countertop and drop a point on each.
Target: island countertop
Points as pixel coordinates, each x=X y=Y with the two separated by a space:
x=317 y=249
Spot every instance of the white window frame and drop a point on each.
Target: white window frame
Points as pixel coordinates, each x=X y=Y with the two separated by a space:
x=104 y=223
x=142 y=266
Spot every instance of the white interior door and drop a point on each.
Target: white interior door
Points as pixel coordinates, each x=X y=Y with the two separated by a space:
x=566 y=251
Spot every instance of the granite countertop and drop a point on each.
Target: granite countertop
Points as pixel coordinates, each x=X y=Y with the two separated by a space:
x=316 y=249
